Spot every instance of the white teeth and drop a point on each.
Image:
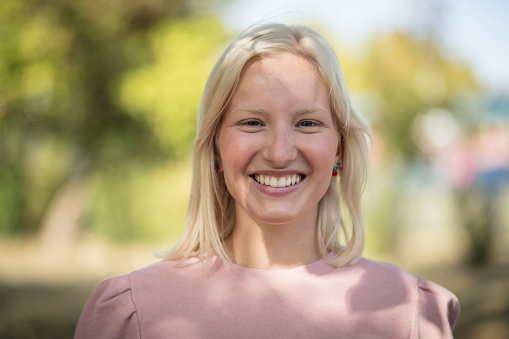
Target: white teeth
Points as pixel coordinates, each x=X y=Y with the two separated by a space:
x=278 y=182
x=281 y=182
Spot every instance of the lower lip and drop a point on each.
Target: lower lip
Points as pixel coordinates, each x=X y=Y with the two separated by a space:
x=276 y=191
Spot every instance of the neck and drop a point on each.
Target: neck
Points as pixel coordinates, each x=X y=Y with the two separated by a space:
x=270 y=247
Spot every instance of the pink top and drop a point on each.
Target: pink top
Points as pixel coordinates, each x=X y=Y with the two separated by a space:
x=366 y=300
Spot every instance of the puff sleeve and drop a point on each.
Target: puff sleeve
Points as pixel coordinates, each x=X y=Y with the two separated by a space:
x=109 y=311
x=436 y=312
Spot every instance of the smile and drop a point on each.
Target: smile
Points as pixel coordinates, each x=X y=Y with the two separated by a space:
x=285 y=181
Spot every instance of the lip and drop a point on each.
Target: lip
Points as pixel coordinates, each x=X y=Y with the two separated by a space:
x=277 y=173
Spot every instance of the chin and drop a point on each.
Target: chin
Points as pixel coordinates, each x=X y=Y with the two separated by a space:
x=278 y=217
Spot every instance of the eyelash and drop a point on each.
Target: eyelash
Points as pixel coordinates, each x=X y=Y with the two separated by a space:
x=314 y=123
x=251 y=123
x=304 y=123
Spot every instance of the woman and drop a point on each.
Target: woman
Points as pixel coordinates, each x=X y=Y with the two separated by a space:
x=267 y=251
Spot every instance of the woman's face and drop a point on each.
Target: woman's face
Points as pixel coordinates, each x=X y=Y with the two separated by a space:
x=277 y=142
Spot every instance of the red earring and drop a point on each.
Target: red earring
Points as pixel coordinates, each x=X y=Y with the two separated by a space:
x=336 y=168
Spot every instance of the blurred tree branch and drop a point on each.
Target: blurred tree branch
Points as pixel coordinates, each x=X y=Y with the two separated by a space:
x=62 y=62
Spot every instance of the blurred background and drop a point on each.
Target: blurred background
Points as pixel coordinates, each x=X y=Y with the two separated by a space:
x=98 y=106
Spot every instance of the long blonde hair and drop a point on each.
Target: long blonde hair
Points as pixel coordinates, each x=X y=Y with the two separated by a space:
x=211 y=212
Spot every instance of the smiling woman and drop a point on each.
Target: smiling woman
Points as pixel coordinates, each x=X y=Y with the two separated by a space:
x=267 y=251
x=289 y=138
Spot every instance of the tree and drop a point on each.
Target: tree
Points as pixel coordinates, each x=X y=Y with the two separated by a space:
x=61 y=116
x=400 y=78
x=407 y=76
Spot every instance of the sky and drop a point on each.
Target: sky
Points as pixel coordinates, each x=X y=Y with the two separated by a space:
x=474 y=31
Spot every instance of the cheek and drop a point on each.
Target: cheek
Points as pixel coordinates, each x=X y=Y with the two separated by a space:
x=235 y=154
x=235 y=161
x=229 y=152
x=322 y=152
x=235 y=148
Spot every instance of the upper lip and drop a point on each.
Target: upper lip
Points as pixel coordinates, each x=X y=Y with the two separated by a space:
x=275 y=173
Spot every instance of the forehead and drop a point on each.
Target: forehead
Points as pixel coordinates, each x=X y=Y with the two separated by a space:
x=282 y=65
x=281 y=78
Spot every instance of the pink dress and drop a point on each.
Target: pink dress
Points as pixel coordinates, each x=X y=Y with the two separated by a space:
x=365 y=300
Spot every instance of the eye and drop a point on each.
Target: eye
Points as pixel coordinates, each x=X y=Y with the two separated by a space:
x=309 y=123
x=250 y=125
x=253 y=123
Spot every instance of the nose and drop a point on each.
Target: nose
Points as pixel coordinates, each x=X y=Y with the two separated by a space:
x=280 y=147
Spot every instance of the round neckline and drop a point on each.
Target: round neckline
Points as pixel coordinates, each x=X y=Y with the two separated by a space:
x=280 y=276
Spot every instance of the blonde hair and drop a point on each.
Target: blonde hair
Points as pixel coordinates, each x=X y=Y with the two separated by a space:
x=211 y=212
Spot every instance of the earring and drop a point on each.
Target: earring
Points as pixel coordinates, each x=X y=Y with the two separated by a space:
x=336 y=168
x=216 y=168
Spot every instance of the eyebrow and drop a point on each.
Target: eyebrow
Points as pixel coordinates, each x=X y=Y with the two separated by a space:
x=252 y=110
x=306 y=110
x=300 y=111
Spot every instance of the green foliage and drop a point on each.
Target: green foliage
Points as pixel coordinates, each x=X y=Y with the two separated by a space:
x=399 y=78
x=407 y=76
x=10 y=199
x=140 y=203
x=63 y=66
x=109 y=91
x=166 y=93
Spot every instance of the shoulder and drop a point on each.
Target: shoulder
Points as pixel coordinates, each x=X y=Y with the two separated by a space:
x=109 y=311
x=433 y=308
x=378 y=286
x=437 y=310
x=118 y=306
x=387 y=275
x=155 y=286
x=168 y=272
x=383 y=277
x=378 y=274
